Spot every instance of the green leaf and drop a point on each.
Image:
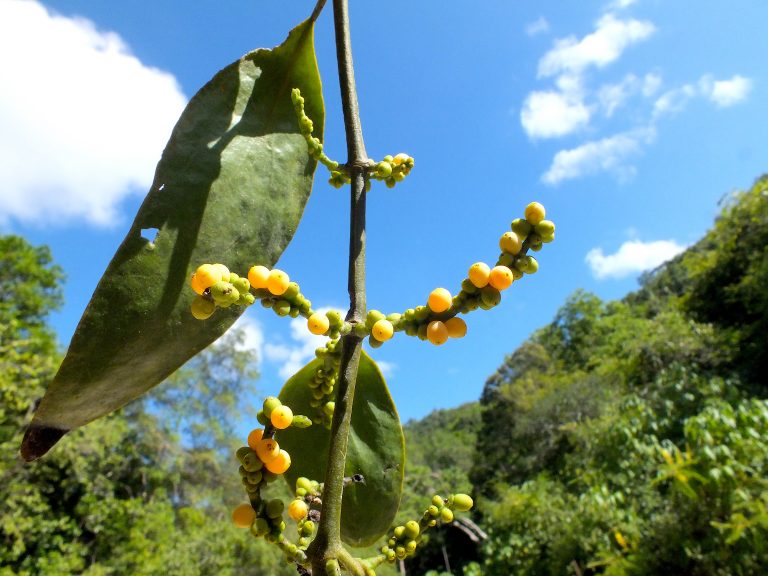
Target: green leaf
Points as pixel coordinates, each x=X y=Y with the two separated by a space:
x=230 y=187
x=376 y=450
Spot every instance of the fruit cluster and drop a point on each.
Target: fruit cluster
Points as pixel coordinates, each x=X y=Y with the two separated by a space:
x=390 y=170
x=323 y=382
x=405 y=538
x=261 y=462
x=216 y=286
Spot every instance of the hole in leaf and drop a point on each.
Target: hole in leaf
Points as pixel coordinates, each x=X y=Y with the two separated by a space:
x=150 y=234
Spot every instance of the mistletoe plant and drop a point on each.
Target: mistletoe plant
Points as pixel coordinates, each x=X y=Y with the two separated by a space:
x=249 y=143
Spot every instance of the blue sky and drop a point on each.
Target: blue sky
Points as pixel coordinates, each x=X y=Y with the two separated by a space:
x=629 y=120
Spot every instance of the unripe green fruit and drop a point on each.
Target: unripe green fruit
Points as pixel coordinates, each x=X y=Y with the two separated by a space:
x=490 y=296
x=246 y=299
x=260 y=527
x=301 y=421
x=254 y=477
x=241 y=452
x=262 y=418
x=533 y=265
x=305 y=483
x=547 y=239
x=398 y=176
x=291 y=292
x=521 y=227
x=422 y=332
x=251 y=462
x=270 y=403
x=267 y=302
x=421 y=313
x=308 y=528
x=398 y=532
x=241 y=284
x=438 y=501
x=275 y=508
x=516 y=274
x=334 y=318
x=224 y=293
x=394 y=317
x=446 y=515
x=433 y=510
x=506 y=259
x=372 y=317
x=462 y=502
x=468 y=287
x=294 y=312
x=282 y=307
x=545 y=228
x=329 y=407
x=412 y=529
x=400 y=552
x=410 y=546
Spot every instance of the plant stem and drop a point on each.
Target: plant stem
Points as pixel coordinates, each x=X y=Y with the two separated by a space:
x=327 y=543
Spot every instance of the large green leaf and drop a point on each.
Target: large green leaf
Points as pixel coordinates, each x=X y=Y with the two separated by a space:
x=230 y=187
x=376 y=450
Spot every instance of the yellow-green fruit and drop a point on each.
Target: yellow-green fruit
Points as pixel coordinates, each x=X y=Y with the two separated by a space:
x=260 y=527
x=534 y=213
x=298 y=509
x=202 y=308
x=382 y=330
x=446 y=515
x=437 y=333
x=545 y=228
x=243 y=516
x=318 y=323
x=275 y=508
x=277 y=282
x=548 y=239
x=478 y=274
x=223 y=271
x=399 y=531
x=270 y=403
x=410 y=546
x=372 y=317
x=412 y=529
x=383 y=169
x=439 y=300
x=224 y=293
x=500 y=278
x=456 y=327
x=462 y=502
x=510 y=242
x=281 y=417
x=258 y=275
x=521 y=227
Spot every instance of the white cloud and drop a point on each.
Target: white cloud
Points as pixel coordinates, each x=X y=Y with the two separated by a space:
x=387 y=368
x=600 y=48
x=651 y=84
x=551 y=114
x=613 y=96
x=621 y=4
x=726 y=93
x=538 y=26
x=632 y=257
x=253 y=336
x=83 y=120
x=292 y=357
x=606 y=155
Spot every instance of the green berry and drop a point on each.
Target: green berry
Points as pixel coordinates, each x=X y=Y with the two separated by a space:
x=438 y=501
x=275 y=508
x=241 y=452
x=412 y=529
x=490 y=296
x=410 y=546
x=270 y=403
x=446 y=515
x=462 y=502
x=373 y=317
x=383 y=169
x=262 y=418
x=224 y=293
x=521 y=227
x=398 y=532
x=282 y=307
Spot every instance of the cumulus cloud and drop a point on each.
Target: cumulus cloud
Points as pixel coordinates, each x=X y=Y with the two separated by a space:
x=252 y=336
x=621 y=4
x=551 y=114
x=603 y=46
x=605 y=155
x=538 y=26
x=632 y=257
x=726 y=93
x=387 y=368
x=84 y=121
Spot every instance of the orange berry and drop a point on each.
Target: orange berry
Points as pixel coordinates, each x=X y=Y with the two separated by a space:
x=258 y=275
x=267 y=449
x=277 y=282
x=457 y=328
x=298 y=509
x=439 y=300
x=437 y=333
x=280 y=463
x=255 y=437
x=318 y=323
x=382 y=330
x=243 y=516
x=478 y=274
x=281 y=417
x=500 y=278
x=196 y=285
x=534 y=213
x=207 y=275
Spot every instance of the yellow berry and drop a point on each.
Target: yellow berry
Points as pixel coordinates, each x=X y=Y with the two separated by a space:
x=457 y=328
x=223 y=271
x=207 y=275
x=258 y=275
x=267 y=449
x=202 y=308
x=255 y=437
x=478 y=274
x=277 y=282
x=280 y=463
x=437 y=333
x=510 y=242
x=400 y=158
x=500 y=278
x=382 y=330
x=243 y=516
x=439 y=300
x=534 y=213
x=318 y=323
x=298 y=509
x=281 y=417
